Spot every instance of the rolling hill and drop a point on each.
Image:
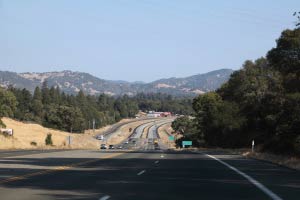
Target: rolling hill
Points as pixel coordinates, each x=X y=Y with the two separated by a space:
x=72 y=82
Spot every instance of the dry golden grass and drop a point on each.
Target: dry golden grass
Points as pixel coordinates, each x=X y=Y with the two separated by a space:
x=25 y=134
x=164 y=132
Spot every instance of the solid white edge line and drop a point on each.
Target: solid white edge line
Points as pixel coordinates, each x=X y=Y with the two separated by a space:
x=260 y=186
x=141 y=172
x=104 y=197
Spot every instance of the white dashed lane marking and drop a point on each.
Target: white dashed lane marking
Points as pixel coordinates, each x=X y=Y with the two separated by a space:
x=141 y=172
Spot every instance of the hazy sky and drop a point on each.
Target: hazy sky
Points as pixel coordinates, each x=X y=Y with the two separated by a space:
x=138 y=40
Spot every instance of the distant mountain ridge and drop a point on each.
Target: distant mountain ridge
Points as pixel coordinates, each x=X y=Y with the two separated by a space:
x=73 y=82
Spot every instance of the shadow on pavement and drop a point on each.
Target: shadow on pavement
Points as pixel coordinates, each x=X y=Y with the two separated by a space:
x=177 y=175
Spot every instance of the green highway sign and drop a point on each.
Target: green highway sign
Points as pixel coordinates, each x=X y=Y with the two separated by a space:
x=186 y=143
x=171 y=138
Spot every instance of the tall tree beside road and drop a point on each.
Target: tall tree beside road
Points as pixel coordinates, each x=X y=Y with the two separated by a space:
x=8 y=104
x=218 y=120
x=24 y=105
x=186 y=126
x=37 y=105
x=164 y=102
x=261 y=102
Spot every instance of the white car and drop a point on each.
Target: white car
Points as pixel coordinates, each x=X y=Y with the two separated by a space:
x=100 y=137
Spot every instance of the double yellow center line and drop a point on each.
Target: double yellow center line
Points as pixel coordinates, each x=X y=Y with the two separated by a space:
x=60 y=168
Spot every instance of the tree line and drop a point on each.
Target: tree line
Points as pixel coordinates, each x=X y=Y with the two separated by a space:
x=53 y=108
x=260 y=102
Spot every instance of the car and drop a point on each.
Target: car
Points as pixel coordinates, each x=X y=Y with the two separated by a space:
x=100 y=137
x=103 y=146
x=111 y=146
x=126 y=142
x=120 y=147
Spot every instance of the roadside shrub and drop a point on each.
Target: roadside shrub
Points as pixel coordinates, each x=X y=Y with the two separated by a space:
x=48 y=139
x=33 y=143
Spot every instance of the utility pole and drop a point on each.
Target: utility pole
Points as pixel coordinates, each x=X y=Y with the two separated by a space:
x=69 y=137
x=94 y=125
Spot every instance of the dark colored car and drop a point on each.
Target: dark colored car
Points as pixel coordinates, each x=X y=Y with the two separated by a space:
x=111 y=146
x=103 y=146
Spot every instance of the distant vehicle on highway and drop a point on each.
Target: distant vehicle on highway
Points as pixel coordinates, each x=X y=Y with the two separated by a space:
x=120 y=147
x=100 y=137
x=103 y=146
x=126 y=142
x=111 y=146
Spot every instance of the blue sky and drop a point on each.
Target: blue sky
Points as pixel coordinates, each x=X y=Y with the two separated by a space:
x=138 y=40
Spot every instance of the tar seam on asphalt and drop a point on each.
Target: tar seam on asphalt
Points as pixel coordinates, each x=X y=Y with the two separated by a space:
x=104 y=197
x=141 y=172
x=59 y=168
x=260 y=186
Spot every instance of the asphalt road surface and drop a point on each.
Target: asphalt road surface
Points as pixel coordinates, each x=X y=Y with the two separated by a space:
x=83 y=174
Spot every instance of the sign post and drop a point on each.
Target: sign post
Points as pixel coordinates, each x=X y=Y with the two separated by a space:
x=69 y=140
x=253 y=143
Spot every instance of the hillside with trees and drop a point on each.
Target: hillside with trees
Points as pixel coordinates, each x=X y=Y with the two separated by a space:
x=260 y=102
x=75 y=113
x=72 y=82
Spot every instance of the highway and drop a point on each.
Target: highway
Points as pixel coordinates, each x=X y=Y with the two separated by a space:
x=152 y=132
x=139 y=171
x=138 y=132
x=117 y=126
x=135 y=140
x=89 y=174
